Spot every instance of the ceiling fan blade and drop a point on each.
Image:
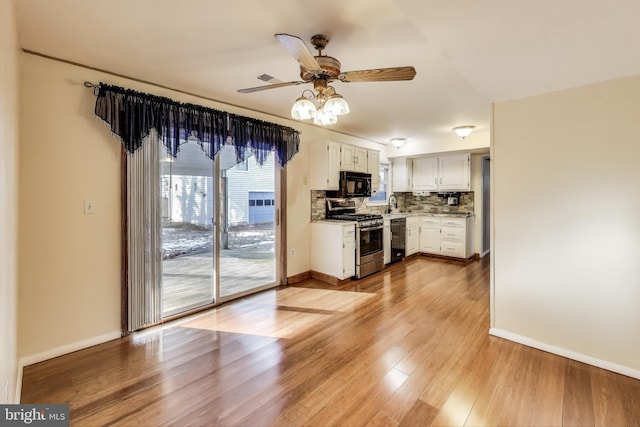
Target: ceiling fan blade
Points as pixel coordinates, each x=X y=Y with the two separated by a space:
x=273 y=86
x=379 y=75
x=296 y=48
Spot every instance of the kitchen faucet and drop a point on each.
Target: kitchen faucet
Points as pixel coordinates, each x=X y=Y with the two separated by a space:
x=395 y=199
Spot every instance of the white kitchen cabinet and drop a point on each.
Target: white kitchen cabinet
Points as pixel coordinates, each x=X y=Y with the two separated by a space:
x=347 y=157
x=353 y=158
x=325 y=165
x=443 y=173
x=413 y=235
x=401 y=175
x=425 y=174
x=430 y=234
x=333 y=249
x=329 y=158
x=386 y=236
x=360 y=162
x=455 y=172
x=448 y=236
x=456 y=237
x=373 y=167
x=348 y=253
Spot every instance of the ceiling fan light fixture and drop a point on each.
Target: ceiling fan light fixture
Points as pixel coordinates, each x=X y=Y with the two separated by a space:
x=325 y=118
x=337 y=105
x=303 y=109
x=464 y=131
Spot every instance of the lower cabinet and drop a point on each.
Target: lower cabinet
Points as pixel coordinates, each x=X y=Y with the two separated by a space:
x=449 y=236
x=412 y=236
x=333 y=249
x=430 y=234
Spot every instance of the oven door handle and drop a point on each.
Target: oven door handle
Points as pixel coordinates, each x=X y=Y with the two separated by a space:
x=376 y=227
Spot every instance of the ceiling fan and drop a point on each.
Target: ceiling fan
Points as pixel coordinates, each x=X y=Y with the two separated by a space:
x=322 y=70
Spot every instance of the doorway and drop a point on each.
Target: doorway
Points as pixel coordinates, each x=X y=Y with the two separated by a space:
x=486 y=205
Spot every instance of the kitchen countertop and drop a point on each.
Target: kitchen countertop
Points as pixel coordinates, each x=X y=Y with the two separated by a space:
x=333 y=221
x=441 y=214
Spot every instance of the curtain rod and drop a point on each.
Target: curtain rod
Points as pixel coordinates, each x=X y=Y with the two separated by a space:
x=94 y=86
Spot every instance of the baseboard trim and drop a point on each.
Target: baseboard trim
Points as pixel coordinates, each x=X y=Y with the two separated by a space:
x=461 y=261
x=599 y=363
x=332 y=280
x=297 y=278
x=18 y=387
x=59 y=351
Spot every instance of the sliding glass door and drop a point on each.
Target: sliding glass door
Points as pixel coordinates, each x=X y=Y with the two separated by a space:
x=219 y=228
x=247 y=223
x=187 y=205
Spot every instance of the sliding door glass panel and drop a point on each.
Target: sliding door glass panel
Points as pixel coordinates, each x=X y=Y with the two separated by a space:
x=247 y=224
x=188 y=267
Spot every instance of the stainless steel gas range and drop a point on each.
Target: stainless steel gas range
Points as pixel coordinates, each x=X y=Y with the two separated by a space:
x=369 y=231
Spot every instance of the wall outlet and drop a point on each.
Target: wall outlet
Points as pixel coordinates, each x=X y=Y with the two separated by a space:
x=293 y=251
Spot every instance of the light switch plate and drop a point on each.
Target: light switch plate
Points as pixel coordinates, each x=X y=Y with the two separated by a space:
x=89 y=207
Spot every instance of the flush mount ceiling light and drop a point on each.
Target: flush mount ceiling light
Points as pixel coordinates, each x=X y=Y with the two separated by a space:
x=398 y=142
x=464 y=131
x=323 y=107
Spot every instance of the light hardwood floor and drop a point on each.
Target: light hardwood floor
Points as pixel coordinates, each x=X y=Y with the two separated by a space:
x=406 y=347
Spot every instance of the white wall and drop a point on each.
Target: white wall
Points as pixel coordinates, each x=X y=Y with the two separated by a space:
x=566 y=249
x=68 y=262
x=9 y=83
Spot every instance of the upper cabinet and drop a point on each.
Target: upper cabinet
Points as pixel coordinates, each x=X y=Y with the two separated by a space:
x=425 y=174
x=329 y=158
x=402 y=175
x=443 y=173
x=353 y=158
x=373 y=167
x=455 y=172
x=325 y=165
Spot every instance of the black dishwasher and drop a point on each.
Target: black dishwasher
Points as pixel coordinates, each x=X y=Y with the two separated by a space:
x=398 y=238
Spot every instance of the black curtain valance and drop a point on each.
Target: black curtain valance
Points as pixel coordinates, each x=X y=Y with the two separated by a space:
x=131 y=115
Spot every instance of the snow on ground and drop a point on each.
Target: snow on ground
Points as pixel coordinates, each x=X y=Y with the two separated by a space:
x=182 y=239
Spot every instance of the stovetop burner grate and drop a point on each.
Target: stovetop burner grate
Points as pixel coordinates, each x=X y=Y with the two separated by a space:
x=355 y=217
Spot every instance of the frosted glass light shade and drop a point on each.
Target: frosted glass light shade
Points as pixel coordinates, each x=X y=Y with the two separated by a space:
x=325 y=118
x=303 y=109
x=337 y=105
x=398 y=142
x=464 y=131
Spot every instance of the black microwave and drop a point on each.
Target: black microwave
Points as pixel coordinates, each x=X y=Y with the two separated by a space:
x=352 y=184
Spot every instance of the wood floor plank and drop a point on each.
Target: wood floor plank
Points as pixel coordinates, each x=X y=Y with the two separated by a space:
x=408 y=346
x=548 y=399
x=578 y=398
x=608 y=411
x=420 y=414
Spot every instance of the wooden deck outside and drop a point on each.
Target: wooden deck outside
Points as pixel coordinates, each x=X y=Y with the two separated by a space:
x=188 y=279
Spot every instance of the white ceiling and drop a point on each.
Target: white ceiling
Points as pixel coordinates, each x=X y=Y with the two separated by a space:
x=467 y=53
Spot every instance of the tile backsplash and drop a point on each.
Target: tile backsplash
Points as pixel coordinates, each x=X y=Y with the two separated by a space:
x=407 y=202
